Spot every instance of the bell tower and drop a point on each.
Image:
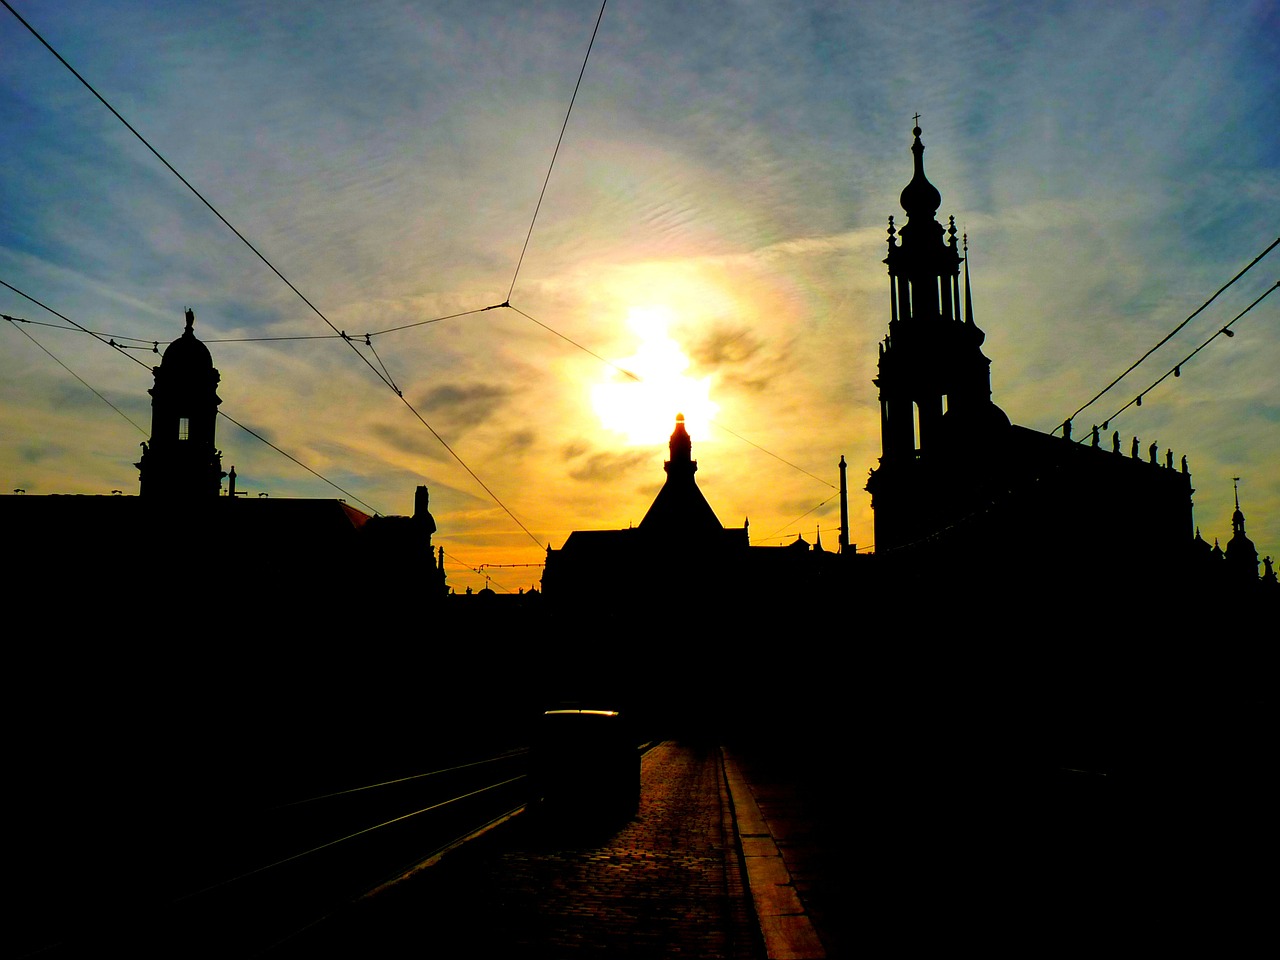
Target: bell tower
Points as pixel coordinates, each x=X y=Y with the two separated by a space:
x=181 y=462
x=935 y=382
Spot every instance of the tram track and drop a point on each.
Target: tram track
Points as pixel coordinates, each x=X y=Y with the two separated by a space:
x=242 y=881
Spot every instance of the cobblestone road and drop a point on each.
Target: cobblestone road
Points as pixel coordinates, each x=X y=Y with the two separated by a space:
x=666 y=884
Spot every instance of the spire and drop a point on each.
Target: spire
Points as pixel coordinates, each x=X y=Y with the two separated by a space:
x=680 y=506
x=1242 y=555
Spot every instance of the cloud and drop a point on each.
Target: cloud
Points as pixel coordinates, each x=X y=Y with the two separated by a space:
x=406 y=440
x=464 y=405
x=520 y=442
x=724 y=344
x=604 y=468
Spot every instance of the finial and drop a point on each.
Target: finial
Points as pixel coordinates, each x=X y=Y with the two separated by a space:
x=1235 y=483
x=916 y=121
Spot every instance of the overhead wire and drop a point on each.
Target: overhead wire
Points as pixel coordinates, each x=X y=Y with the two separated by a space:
x=555 y=153
x=1176 y=369
x=1170 y=334
x=201 y=197
x=105 y=342
x=283 y=453
x=625 y=373
x=480 y=569
x=801 y=517
x=380 y=369
x=381 y=376
x=87 y=385
x=775 y=456
x=422 y=323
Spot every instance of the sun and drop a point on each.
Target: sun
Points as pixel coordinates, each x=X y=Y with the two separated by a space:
x=642 y=410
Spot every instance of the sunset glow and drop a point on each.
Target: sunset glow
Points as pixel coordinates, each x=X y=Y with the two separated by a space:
x=718 y=232
x=642 y=410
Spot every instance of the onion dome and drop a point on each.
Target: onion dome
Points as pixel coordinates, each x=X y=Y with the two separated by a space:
x=920 y=198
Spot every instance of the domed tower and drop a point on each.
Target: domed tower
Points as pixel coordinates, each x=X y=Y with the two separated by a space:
x=181 y=462
x=935 y=382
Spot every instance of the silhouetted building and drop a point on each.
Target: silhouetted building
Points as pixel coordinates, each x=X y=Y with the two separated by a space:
x=181 y=462
x=957 y=482
x=271 y=556
x=680 y=545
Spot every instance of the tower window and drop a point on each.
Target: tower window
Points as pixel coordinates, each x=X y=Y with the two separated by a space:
x=184 y=428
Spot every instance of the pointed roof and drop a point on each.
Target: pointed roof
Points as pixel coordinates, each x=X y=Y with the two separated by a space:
x=680 y=507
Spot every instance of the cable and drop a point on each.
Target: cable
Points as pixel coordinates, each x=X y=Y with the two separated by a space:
x=776 y=457
x=13 y=320
x=379 y=374
x=1176 y=369
x=81 y=328
x=464 y=466
x=802 y=516
x=187 y=184
x=555 y=153
x=255 y=434
x=117 y=347
x=1171 y=333
x=420 y=323
x=625 y=373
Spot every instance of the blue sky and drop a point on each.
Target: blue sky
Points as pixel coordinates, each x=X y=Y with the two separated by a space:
x=721 y=194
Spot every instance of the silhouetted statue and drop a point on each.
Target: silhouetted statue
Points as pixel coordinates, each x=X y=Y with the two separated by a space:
x=1115 y=441
x=1095 y=436
x=1133 y=449
x=1184 y=463
x=191 y=318
x=1066 y=429
x=1152 y=451
x=1168 y=459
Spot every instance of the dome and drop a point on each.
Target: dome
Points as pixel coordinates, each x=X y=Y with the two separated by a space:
x=186 y=353
x=920 y=198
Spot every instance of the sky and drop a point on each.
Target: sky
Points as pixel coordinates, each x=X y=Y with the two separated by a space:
x=714 y=224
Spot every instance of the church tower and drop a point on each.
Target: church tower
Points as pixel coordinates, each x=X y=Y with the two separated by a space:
x=1241 y=554
x=935 y=382
x=181 y=462
x=680 y=508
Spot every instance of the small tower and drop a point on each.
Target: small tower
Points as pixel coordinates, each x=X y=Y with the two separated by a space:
x=181 y=462
x=1241 y=554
